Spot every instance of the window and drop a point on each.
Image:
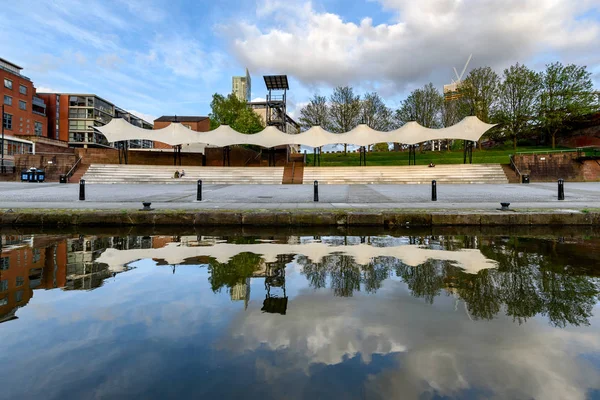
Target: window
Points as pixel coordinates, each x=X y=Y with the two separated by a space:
x=3 y=285
x=22 y=89
x=3 y=301
x=38 y=128
x=18 y=296
x=7 y=100
x=7 y=121
x=4 y=263
x=20 y=281
x=7 y=83
x=22 y=105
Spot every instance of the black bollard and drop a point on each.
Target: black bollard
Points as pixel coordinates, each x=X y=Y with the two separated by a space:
x=199 y=191
x=316 y=186
x=82 y=189
x=561 y=189
x=433 y=190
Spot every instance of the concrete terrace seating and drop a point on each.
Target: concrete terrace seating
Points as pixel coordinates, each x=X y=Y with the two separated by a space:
x=416 y=174
x=131 y=174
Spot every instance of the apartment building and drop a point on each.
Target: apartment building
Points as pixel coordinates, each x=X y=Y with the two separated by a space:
x=24 y=113
x=73 y=117
x=241 y=86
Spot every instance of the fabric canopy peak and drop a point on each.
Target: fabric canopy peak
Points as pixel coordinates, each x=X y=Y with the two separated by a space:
x=470 y=128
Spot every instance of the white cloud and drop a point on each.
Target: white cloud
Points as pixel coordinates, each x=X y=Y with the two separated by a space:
x=185 y=57
x=109 y=61
x=146 y=117
x=436 y=347
x=46 y=89
x=428 y=38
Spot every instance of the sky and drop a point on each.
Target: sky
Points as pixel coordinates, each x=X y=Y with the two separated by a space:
x=168 y=57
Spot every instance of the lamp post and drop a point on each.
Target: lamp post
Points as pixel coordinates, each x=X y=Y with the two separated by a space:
x=2 y=166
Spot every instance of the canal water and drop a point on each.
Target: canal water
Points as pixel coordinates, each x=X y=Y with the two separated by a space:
x=300 y=315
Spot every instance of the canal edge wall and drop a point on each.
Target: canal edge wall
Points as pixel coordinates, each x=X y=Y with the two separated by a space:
x=387 y=218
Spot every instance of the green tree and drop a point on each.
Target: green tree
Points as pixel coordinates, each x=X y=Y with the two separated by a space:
x=567 y=93
x=375 y=113
x=423 y=106
x=315 y=113
x=517 y=100
x=235 y=113
x=479 y=92
x=344 y=110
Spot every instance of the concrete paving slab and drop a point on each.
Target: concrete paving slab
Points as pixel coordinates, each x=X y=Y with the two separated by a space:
x=475 y=196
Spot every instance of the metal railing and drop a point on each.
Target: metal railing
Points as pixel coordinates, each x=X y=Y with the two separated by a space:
x=515 y=168
x=546 y=151
x=73 y=168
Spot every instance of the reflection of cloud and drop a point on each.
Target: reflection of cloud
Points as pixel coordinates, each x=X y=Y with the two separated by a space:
x=437 y=349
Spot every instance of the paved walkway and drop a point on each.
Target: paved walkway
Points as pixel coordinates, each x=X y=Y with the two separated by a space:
x=536 y=195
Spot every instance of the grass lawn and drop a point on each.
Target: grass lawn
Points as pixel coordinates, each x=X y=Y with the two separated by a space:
x=486 y=156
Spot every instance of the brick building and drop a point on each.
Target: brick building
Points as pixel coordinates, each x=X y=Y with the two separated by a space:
x=24 y=114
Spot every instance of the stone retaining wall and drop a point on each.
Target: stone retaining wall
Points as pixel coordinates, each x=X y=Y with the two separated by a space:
x=65 y=218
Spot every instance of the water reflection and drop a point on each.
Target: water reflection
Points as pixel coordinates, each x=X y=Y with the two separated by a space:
x=300 y=316
x=519 y=277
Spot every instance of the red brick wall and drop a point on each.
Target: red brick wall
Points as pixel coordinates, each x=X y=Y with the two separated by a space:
x=591 y=170
x=60 y=164
x=550 y=167
x=23 y=121
x=239 y=157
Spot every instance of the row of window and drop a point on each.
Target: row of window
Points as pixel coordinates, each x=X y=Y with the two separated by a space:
x=9 y=85
x=7 y=122
x=4 y=283
x=8 y=101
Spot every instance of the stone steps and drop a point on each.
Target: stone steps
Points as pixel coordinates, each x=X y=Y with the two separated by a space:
x=141 y=174
x=419 y=174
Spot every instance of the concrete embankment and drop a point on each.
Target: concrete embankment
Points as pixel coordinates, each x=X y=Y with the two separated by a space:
x=387 y=218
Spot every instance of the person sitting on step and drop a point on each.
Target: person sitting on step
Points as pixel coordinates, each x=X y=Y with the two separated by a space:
x=176 y=174
x=182 y=174
x=431 y=165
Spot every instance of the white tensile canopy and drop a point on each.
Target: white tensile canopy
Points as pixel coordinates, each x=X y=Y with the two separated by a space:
x=470 y=128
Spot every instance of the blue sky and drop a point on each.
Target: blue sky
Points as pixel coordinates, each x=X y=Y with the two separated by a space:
x=161 y=57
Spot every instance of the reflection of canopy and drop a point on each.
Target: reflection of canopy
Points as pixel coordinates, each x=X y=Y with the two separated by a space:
x=470 y=128
x=471 y=260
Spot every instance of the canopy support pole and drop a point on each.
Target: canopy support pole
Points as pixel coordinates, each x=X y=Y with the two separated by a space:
x=314 y=156
x=175 y=155
x=468 y=152
x=126 y=152
x=319 y=157
x=412 y=154
x=226 y=158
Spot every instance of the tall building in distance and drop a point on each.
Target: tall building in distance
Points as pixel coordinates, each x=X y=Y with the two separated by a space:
x=241 y=86
x=73 y=117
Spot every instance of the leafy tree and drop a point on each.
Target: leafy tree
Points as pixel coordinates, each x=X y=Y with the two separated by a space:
x=423 y=106
x=517 y=100
x=381 y=147
x=567 y=93
x=235 y=271
x=375 y=113
x=315 y=113
x=344 y=110
x=235 y=113
x=479 y=91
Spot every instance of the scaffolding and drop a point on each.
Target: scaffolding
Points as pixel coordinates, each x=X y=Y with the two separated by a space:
x=276 y=102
